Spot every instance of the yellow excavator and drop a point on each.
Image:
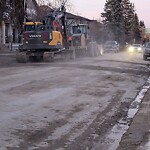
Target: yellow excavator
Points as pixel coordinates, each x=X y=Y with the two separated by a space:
x=42 y=40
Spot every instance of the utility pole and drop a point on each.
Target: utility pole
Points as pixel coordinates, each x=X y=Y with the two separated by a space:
x=3 y=33
x=25 y=7
x=24 y=3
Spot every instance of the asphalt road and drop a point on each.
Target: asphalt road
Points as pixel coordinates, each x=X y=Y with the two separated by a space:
x=74 y=105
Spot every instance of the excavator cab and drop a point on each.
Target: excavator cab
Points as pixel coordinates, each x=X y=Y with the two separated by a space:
x=80 y=29
x=40 y=41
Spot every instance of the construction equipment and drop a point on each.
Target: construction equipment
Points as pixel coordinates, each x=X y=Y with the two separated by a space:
x=80 y=38
x=82 y=41
x=42 y=40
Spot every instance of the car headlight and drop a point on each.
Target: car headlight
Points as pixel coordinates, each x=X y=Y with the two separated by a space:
x=131 y=49
x=139 y=49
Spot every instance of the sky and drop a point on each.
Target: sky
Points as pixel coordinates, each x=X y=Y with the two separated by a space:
x=93 y=8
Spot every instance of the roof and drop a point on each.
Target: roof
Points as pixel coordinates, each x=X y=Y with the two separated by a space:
x=73 y=16
x=47 y=8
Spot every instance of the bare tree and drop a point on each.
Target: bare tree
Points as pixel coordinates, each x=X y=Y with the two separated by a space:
x=66 y=3
x=56 y=4
x=44 y=10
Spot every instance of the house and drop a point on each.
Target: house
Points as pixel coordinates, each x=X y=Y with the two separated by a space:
x=35 y=12
x=76 y=19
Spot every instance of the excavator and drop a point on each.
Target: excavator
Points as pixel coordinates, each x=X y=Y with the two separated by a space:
x=42 y=40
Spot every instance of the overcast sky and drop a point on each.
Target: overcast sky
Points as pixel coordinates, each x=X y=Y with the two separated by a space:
x=92 y=9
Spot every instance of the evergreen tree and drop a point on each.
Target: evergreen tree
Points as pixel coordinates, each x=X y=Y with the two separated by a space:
x=108 y=19
x=142 y=24
x=118 y=21
x=113 y=19
x=136 y=29
x=142 y=31
x=128 y=15
x=121 y=21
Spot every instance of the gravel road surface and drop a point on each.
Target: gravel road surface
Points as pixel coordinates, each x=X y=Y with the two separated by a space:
x=70 y=105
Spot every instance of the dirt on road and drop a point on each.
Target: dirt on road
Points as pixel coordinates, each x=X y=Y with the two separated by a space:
x=68 y=105
x=138 y=135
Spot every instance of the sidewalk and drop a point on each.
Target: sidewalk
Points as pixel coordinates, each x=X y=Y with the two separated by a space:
x=138 y=135
x=7 y=57
x=5 y=49
x=14 y=46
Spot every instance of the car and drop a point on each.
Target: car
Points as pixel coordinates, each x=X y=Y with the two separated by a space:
x=135 y=48
x=111 y=46
x=146 y=51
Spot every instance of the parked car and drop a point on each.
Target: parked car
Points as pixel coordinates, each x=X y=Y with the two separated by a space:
x=146 y=51
x=135 y=48
x=144 y=45
x=111 y=46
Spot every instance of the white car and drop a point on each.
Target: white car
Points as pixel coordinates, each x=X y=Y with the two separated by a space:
x=135 y=48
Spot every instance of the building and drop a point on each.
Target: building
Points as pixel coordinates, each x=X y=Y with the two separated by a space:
x=35 y=12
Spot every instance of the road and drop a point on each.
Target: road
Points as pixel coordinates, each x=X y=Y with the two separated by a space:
x=82 y=104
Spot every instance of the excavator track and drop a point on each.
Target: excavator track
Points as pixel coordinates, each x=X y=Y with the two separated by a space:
x=48 y=56
x=22 y=57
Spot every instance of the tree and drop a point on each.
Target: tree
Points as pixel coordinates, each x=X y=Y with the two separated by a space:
x=43 y=11
x=18 y=12
x=142 y=24
x=113 y=19
x=142 y=30
x=66 y=3
x=121 y=21
x=136 y=28
x=12 y=9
x=2 y=8
x=128 y=15
x=12 y=12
